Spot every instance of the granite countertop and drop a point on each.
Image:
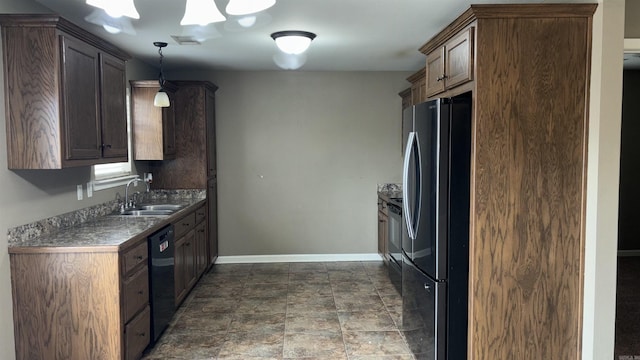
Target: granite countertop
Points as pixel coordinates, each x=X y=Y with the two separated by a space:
x=108 y=232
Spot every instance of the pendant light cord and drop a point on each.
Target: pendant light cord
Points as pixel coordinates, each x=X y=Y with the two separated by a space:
x=160 y=76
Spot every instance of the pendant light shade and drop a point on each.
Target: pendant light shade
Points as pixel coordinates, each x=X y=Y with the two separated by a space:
x=116 y=8
x=244 y=7
x=293 y=41
x=161 y=99
x=201 y=12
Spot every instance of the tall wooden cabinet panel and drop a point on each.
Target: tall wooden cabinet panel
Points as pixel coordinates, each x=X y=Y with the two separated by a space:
x=153 y=127
x=65 y=94
x=418 y=82
x=530 y=90
x=195 y=136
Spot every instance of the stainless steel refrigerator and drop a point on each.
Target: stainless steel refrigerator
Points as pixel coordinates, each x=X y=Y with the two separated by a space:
x=435 y=255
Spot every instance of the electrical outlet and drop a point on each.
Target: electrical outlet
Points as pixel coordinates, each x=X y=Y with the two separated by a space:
x=89 y=189
x=79 y=189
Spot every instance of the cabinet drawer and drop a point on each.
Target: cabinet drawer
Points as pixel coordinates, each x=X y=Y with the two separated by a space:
x=201 y=214
x=185 y=224
x=135 y=293
x=134 y=257
x=137 y=334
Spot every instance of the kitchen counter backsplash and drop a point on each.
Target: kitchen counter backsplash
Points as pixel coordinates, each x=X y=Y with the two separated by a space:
x=34 y=230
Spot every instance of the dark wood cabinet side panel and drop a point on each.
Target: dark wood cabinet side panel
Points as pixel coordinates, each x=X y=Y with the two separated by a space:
x=529 y=167
x=189 y=169
x=72 y=301
x=113 y=107
x=33 y=116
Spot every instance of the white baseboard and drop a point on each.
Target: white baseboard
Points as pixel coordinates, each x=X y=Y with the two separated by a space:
x=628 y=252
x=243 y=259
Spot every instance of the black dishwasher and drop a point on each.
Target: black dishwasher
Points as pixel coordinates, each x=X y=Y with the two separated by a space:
x=161 y=281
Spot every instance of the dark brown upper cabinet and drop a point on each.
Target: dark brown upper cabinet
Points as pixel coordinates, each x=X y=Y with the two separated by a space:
x=64 y=94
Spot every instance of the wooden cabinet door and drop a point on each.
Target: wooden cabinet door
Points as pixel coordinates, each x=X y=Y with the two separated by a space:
x=201 y=248
x=178 y=271
x=190 y=260
x=212 y=218
x=81 y=113
x=169 y=129
x=113 y=107
x=210 y=115
x=459 y=59
x=435 y=72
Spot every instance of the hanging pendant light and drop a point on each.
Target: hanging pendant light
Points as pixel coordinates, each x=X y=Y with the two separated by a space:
x=161 y=99
x=293 y=42
x=201 y=12
x=244 y=7
x=116 y=8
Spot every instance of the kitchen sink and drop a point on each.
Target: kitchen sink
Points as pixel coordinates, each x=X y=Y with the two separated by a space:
x=144 y=212
x=172 y=207
x=151 y=210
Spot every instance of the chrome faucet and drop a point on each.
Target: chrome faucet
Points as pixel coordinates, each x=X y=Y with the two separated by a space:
x=132 y=203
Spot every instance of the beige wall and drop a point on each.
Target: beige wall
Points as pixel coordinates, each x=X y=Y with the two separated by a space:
x=31 y=195
x=631 y=19
x=602 y=181
x=299 y=158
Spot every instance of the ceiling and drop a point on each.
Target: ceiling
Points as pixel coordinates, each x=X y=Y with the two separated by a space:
x=352 y=35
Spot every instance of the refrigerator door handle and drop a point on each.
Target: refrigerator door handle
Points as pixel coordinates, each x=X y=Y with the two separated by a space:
x=419 y=187
x=405 y=185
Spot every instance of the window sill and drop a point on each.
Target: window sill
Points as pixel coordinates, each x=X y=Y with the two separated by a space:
x=112 y=182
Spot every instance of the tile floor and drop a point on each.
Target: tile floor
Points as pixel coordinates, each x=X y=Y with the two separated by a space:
x=332 y=310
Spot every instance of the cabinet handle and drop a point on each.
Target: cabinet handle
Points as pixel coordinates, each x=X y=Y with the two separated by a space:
x=443 y=77
x=107 y=146
x=139 y=257
x=185 y=224
x=142 y=334
x=140 y=292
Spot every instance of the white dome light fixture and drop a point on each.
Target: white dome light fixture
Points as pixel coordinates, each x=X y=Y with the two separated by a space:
x=293 y=42
x=161 y=99
x=116 y=8
x=201 y=12
x=245 y=7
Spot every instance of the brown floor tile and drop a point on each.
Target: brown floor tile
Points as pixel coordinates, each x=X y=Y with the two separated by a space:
x=266 y=290
x=252 y=344
x=308 y=303
x=301 y=345
x=375 y=343
x=311 y=311
x=313 y=323
x=262 y=305
x=366 y=321
x=309 y=277
x=316 y=289
x=273 y=323
x=317 y=267
x=358 y=302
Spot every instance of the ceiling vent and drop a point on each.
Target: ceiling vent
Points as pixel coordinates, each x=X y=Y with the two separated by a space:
x=185 y=40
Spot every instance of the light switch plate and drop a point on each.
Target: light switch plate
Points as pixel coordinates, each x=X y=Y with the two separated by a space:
x=79 y=188
x=89 y=189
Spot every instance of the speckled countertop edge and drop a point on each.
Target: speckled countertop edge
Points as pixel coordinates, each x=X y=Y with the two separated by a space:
x=94 y=226
x=390 y=191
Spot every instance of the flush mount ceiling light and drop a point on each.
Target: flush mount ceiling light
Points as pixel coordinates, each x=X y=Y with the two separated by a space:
x=293 y=41
x=244 y=7
x=201 y=12
x=161 y=99
x=116 y=8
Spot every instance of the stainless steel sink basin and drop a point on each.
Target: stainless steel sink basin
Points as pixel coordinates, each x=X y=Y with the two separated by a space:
x=145 y=212
x=172 y=207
